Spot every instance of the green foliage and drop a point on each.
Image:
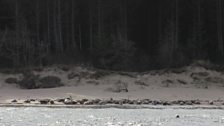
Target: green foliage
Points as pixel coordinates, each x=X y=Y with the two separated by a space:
x=22 y=50
x=114 y=54
x=170 y=52
x=166 y=49
x=196 y=44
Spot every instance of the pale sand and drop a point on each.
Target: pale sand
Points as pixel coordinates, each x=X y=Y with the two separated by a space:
x=92 y=92
x=83 y=89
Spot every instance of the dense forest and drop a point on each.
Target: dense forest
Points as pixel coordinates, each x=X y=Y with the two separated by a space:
x=133 y=35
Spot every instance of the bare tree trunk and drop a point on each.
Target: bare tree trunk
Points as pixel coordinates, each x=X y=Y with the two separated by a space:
x=73 y=24
x=125 y=23
x=177 y=26
x=16 y=56
x=38 y=41
x=48 y=21
x=68 y=34
x=16 y=18
x=38 y=21
x=220 y=26
x=60 y=27
x=55 y=26
x=80 y=37
x=172 y=47
x=99 y=21
x=199 y=31
x=173 y=34
x=160 y=21
x=90 y=27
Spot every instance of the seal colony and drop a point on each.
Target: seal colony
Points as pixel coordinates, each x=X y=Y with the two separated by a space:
x=70 y=101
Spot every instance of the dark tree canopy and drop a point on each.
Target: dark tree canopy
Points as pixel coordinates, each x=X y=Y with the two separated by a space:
x=134 y=35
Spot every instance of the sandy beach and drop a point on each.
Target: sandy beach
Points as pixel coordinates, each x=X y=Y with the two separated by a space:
x=155 y=85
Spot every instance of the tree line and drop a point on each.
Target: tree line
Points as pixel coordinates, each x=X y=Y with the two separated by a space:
x=111 y=34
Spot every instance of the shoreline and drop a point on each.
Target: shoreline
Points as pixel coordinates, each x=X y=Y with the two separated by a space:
x=112 y=103
x=192 y=85
x=190 y=107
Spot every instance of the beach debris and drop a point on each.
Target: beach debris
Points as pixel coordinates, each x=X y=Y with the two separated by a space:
x=111 y=101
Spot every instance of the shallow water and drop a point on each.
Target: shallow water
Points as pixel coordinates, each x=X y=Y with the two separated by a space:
x=109 y=117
